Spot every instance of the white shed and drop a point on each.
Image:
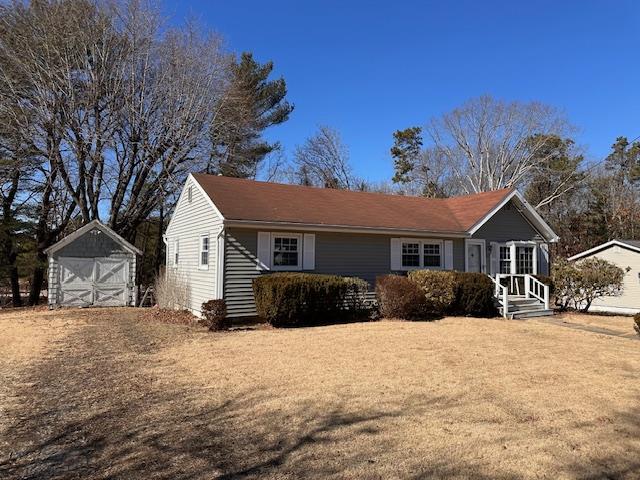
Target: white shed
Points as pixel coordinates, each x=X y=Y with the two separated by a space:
x=625 y=254
x=94 y=266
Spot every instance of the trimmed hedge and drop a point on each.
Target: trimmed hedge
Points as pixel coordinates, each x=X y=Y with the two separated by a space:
x=474 y=295
x=399 y=297
x=439 y=288
x=303 y=299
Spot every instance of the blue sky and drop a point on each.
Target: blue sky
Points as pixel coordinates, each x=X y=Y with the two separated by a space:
x=370 y=68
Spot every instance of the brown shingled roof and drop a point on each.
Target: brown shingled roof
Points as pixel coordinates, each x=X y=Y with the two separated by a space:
x=249 y=200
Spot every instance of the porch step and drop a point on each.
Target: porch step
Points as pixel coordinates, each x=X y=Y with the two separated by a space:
x=522 y=307
x=531 y=313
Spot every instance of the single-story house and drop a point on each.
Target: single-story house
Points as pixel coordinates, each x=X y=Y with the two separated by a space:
x=93 y=266
x=226 y=231
x=625 y=254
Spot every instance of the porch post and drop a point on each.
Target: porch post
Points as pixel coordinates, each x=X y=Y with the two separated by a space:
x=512 y=250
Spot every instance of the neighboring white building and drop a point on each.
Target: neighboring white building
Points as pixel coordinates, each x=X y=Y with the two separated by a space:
x=624 y=254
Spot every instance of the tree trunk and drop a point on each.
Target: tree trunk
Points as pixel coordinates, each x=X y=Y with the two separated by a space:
x=15 y=286
x=157 y=262
x=37 y=279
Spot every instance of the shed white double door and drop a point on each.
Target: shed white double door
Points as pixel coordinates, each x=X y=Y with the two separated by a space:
x=93 y=281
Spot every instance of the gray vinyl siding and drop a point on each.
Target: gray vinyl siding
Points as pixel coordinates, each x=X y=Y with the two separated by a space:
x=91 y=246
x=355 y=255
x=189 y=221
x=506 y=225
x=240 y=263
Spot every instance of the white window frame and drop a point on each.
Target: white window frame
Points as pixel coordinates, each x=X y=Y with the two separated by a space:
x=421 y=242
x=286 y=268
x=176 y=252
x=204 y=266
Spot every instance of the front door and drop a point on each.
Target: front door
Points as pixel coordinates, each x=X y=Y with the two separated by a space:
x=475 y=256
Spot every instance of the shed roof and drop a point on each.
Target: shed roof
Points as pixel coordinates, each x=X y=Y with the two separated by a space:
x=87 y=228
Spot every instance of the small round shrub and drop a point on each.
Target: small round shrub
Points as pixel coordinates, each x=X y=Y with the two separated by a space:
x=474 y=295
x=438 y=287
x=214 y=313
x=399 y=297
x=636 y=326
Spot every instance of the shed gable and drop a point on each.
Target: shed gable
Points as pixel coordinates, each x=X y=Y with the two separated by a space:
x=93 y=243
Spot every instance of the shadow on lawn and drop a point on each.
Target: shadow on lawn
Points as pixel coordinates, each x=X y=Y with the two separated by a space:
x=91 y=413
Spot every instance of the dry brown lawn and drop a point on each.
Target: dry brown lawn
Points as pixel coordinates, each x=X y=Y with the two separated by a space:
x=103 y=394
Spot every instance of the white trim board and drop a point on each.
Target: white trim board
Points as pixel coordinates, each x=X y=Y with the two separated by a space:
x=604 y=246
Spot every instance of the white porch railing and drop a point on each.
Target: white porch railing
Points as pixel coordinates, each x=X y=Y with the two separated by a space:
x=502 y=294
x=535 y=288
x=524 y=284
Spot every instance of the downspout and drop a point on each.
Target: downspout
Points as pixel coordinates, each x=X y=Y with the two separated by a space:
x=220 y=244
x=166 y=255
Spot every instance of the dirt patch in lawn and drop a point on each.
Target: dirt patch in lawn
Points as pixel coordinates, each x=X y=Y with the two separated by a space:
x=616 y=323
x=456 y=398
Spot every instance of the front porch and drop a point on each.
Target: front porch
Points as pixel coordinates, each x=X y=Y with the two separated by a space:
x=521 y=296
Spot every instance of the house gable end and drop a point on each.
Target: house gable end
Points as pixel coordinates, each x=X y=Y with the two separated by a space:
x=184 y=206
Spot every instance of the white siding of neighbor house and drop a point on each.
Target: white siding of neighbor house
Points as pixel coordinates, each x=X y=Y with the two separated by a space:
x=188 y=223
x=629 y=301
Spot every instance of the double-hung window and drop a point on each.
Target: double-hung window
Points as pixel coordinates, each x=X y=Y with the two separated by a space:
x=421 y=254
x=505 y=259
x=432 y=256
x=286 y=252
x=204 y=252
x=410 y=254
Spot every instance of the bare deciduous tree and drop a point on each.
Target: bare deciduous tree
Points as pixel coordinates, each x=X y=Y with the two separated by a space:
x=116 y=107
x=323 y=161
x=490 y=144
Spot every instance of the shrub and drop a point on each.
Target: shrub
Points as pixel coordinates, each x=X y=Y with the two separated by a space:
x=579 y=283
x=399 y=297
x=356 y=296
x=299 y=299
x=636 y=319
x=214 y=314
x=474 y=295
x=438 y=287
x=171 y=290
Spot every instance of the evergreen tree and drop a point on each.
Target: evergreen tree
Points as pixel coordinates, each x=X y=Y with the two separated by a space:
x=252 y=104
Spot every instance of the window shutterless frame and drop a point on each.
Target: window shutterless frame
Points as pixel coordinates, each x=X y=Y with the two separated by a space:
x=176 y=252
x=203 y=251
